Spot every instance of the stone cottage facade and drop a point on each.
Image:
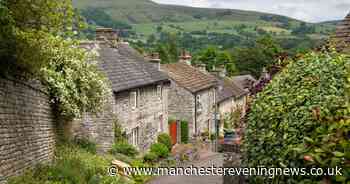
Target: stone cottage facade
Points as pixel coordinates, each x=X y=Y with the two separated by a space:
x=230 y=97
x=192 y=96
x=139 y=101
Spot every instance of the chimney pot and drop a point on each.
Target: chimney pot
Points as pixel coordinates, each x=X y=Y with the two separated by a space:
x=154 y=58
x=106 y=34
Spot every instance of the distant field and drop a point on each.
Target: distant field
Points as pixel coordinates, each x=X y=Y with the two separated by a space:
x=145 y=16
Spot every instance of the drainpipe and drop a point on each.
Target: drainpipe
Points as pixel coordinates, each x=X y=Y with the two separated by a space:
x=195 y=114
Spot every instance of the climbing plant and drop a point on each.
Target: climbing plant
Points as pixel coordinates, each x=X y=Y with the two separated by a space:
x=301 y=120
x=37 y=41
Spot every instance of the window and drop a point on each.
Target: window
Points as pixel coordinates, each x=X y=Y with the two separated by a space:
x=133 y=99
x=159 y=91
x=161 y=121
x=199 y=104
x=135 y=136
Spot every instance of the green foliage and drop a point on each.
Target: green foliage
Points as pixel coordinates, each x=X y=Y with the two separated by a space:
x=150 y=157
x=75 y=84
x=99 y=17
x=119 y=133
x=124 y=148
x=123 y=158
x=86 y=145
x=36 y=47
x=166 y=140
x=253 y=59
x=300 y=120
x=167 y=47
x=232 y=119
x=304 y=29
x=184 y=132
x=212 y=57
x=72 y=165
x=160 y=150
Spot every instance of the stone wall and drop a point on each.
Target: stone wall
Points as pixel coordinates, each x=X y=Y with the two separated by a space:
x=205 y=117
x=181 y=105
x=27 y=128
x=98 y=128
x=150 y=114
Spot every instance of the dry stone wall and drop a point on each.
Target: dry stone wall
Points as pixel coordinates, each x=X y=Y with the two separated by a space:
x=27 y=127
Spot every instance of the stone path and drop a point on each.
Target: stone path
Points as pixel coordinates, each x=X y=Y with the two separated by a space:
x=207 y=160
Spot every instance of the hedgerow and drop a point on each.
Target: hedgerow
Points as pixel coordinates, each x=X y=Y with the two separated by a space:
x=301 y=120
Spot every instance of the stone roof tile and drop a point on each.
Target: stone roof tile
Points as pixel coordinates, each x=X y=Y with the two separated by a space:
x=125 y=67
x=189 y=77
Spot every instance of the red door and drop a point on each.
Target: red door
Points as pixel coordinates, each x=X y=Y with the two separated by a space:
x=173 y=132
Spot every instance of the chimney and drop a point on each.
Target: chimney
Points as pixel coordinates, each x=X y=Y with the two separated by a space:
x=219 y=71
x=106 y=34
x=201 y=67
x=154 y=59
x=222 y=71
x=185 y=57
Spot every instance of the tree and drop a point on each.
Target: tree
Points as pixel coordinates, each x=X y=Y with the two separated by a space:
x=212 y=58
x=262 y=54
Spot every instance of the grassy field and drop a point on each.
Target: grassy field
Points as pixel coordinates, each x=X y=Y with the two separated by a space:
x=145 y=16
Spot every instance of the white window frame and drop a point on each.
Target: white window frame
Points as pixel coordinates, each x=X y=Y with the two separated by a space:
x=199 y=103
x=134 y=97
x=160 y=91
x=135 y=135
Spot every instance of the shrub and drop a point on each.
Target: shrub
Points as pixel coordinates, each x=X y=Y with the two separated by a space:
x=124 y=148
x=160 y=150
x=119 y=133
x=166 y=140
x=184 y=132
x=71 y=165
x=299 y=120
x=150 y=157
x=86 y=145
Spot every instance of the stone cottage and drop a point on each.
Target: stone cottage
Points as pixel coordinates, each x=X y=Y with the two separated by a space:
x=140 y=90
x=244 y=81
x=192 y=95
x=230 y=97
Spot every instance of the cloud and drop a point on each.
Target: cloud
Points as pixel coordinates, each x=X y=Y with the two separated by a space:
x=307 y=10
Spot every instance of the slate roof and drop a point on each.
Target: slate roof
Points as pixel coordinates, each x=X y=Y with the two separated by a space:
x=342 y=35
x=189 y=77
x=228 y=89
x=125 y=67
x=244 y=81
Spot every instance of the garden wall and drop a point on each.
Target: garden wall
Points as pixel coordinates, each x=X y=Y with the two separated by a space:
x=27 y=127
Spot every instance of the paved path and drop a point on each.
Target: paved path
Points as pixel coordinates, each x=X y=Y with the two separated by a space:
x=211 y=159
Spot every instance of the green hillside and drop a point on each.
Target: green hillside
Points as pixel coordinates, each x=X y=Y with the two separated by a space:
x=145 y=11
x=144 y=20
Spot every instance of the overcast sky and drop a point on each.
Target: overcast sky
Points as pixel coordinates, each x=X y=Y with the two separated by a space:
x=307 y=10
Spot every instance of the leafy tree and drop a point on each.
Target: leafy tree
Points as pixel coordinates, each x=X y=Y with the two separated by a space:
x=254 y=59
x=212 y=58
x=99 y=17
x=167 y=48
